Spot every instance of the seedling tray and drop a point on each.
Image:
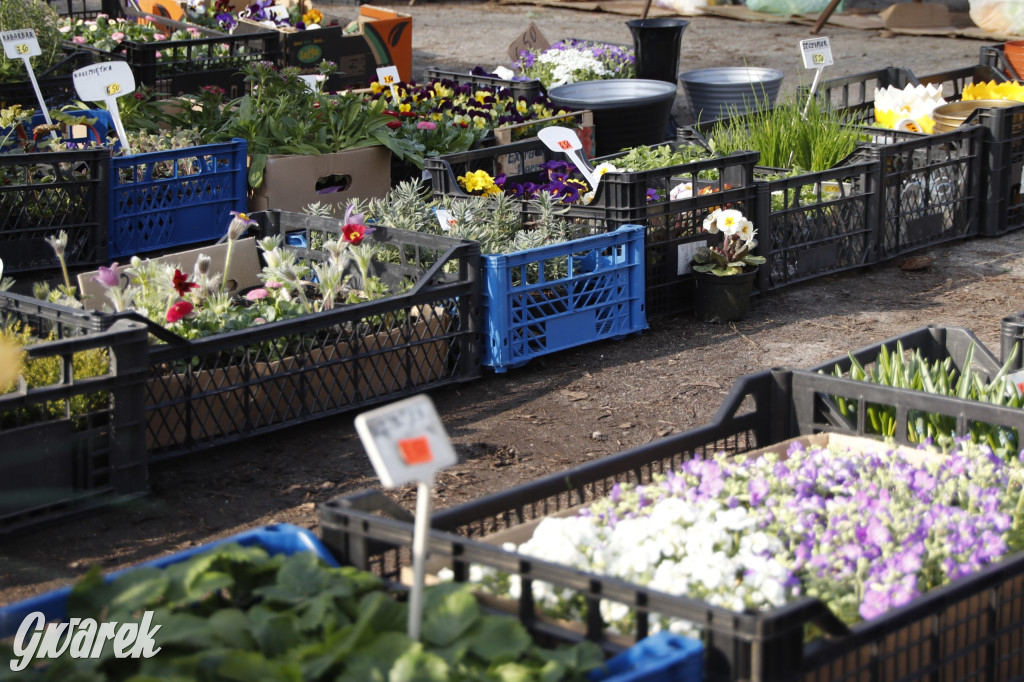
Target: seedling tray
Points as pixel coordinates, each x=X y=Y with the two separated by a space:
x=970 y=627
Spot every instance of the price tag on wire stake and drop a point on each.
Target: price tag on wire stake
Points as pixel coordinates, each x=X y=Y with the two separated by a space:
x=406 y=442
x=23 y=44
x=565 y=140
x=388 y=75
x=20 y=43
x=817 y=53
x=106 y=82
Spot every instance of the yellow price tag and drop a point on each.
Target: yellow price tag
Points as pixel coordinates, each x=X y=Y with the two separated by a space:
x=818 y=58
x=389 y=80
x=113 y=88
x=21 y=48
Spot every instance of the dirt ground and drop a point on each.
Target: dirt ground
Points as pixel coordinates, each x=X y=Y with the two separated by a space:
x=577 y=405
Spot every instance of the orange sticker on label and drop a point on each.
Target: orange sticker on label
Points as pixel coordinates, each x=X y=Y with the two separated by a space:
x=565 y=144
x=415 y=450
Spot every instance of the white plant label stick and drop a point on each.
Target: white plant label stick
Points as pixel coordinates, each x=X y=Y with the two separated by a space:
x=105 y=82
x=406 y=441
x=22 y=44
x=817 y=54
x=388 y=75
x=559 y=139
x=313 y=81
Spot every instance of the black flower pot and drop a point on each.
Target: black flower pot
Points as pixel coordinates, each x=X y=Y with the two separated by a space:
x=723 y=299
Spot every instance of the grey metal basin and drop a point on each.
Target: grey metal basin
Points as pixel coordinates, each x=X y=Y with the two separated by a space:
x=715 y=92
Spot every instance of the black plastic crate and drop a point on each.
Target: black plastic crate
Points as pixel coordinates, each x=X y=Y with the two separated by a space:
x=673 y=227
x=994 y=57
x=70 y=443
x=529 y=89
x=44 y=193
x=195 y=63
x=816 y=224
x=971 y=627
x=811 y=224
x=54 y=83
x=235 y=385
x=856 y=93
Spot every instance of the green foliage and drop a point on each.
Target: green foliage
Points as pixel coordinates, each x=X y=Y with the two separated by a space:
x=47 y=371
x=235 y=613
x=912 y=371
x=36 y=14
x=787 y=138
x=644 y=158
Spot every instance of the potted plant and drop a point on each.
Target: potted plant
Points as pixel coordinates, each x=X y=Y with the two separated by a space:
x=726 y=270
x=570 y=61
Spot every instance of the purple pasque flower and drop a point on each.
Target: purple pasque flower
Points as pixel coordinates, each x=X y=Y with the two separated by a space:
x=108 y=277
x=351 y=217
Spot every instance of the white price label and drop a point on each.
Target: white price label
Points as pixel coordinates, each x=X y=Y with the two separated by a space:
x=445 y=219
x=684 y=262
x=388 y=75
x=560 y=139
x=817 y=53
x=103 y=81
x=530 y=39
x=405 y=441
x=1016 y=379
x=106 y=82
x=20 y=43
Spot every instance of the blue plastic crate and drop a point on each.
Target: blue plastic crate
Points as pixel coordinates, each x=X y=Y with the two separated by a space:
x=281 y=538
x=164 y=199
x=663 y=657
x=555 y=297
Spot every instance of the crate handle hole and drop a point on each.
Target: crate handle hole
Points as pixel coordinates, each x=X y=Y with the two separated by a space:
x=335 y=182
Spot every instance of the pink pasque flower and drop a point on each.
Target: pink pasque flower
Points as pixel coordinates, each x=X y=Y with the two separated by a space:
x=108 y=277
x=273 y=285
x=257 y=294
x=179 y=311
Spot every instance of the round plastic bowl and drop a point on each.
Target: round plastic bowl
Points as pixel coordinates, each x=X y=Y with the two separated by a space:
x=717 y=92
x=950 y=116
x=628 y=112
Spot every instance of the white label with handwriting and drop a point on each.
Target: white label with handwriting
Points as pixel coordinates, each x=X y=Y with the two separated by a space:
x=20 y=43
x=817 y=53
x=105 y=82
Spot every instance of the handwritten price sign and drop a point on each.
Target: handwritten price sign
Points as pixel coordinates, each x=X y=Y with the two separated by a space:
x=20 y=43
x=105 y=83
x=817 y=53
x=530 y=39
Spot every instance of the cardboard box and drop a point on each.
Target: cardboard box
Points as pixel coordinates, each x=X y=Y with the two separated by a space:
x=245 y=269
x=292 y=182
x=384 y=39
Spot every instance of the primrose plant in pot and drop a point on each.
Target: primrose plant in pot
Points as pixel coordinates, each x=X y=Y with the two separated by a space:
x=725 y=271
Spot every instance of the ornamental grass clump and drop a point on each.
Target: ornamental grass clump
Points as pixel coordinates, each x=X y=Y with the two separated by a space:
x=912 y=371
x=788 y=137
x=865 y=528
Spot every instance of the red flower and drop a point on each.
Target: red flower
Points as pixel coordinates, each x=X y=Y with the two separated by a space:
x=181 y=283
x=393 y=124
x=354 y=233
x=179 y=311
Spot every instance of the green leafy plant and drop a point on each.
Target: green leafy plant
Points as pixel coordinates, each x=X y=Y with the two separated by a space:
x=787 y=137
x=235 y=613
x=913 y=371
x=38 y=15
x=281 y=115
x=645 y=158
